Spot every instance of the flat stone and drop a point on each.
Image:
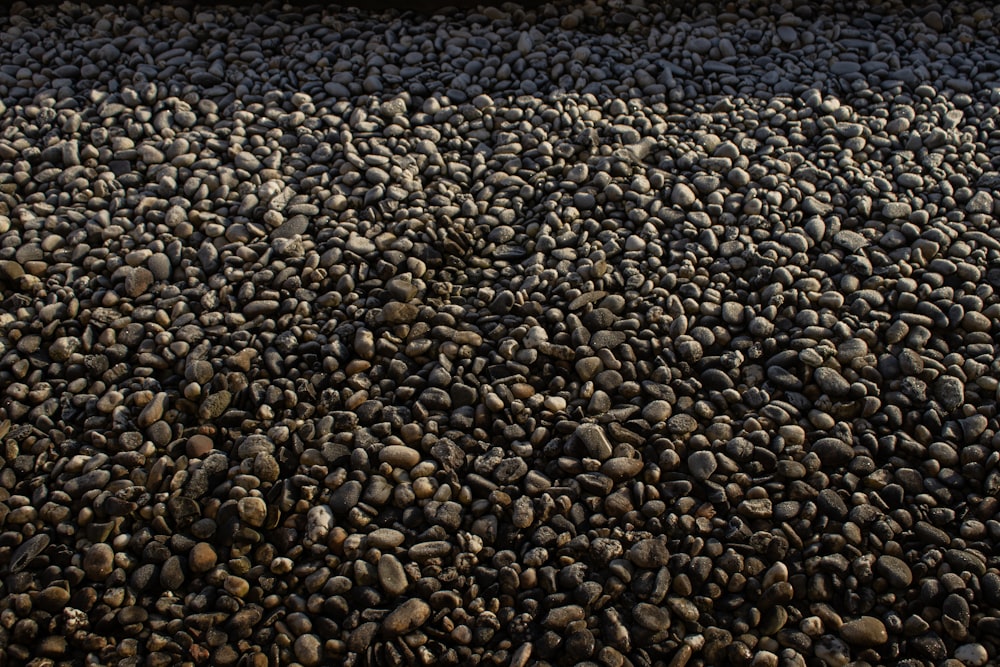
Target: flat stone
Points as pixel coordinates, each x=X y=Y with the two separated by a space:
x=391 y=576
x=594 y=440
x=832 y=451
x=405 y=618
x=399 y=456
x=864 y=631
x=30 y=549
x=398 y=312
x=895 y=571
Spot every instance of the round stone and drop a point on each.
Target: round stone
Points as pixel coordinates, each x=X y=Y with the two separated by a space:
x=98 y=561
x=308 y=650
x=202 y=557
x=702 y=464
x=864 y=631
x=253 y=511
x=895 y=571
x=405 y=618
x=399 y=456
x=198 y=446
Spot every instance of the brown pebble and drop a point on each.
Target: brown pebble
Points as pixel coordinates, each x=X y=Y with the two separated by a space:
x=98 y=562
x=406 y=617
x=199 y=445
x=202 y=557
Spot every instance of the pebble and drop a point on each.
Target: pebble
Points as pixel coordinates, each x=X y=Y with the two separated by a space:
x=309 y=650
x=98 y=561
x=392 y=576
x=30 y=549
x=895 y=570
x=864 y=631
x=649 y=553
x=594 y=440
x=252 y=511
x=405 y=618
x=202 y=557
x=198 y=446
x=702 y=464
x=972 y=655
x=399 y=456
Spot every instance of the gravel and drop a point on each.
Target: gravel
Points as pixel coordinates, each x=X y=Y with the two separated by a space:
x=584 y=333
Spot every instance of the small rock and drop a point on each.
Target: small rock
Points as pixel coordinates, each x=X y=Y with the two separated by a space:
x=392 y=576
x=399 y=456
x=202 y=557
x=214 y=405
x=950 y=391
x=138 y=281
x=198 y=446
x=702 y=464
x=595 y=441
x=683 y=195
x=98 y=561
x=309 y=650
x=895 y=571
x=649 y=553
x=63 y=348
x=406 y=617
x=253 y=511
x=864 y=631
x=972 y=655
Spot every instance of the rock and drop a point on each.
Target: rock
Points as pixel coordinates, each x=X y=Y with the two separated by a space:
x=399 y=456
x=950 y=392
x=832 y=651
x=202 y=557
x=346 y=497
x=656 y=411
x=172 y=574
x=405 y=618
x=396 y=312
x=98 y=562
x=198 y=446
x=702 y=464
x=864 y=631
x=594 y=440
x=153 y=411
x=137 y=281
x=833 y=452
x=895 y=571
x=972 y=655
x=214 y=405
x=391 y=575
x=63 y=348
x=649 y=553
x=683 y=195
x=30 y=549
x=956 y=616
x=982 y=202
x=308 y=650
x=651 y=617
x=252 y=511
x=831 y=382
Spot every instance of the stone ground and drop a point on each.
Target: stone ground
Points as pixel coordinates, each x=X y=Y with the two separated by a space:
x=603 y=333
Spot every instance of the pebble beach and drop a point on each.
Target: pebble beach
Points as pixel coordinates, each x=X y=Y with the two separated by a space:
x=606 y=333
